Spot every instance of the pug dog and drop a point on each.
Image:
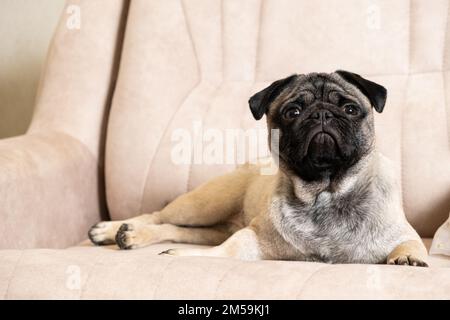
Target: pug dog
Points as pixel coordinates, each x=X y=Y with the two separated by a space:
x=334 y=199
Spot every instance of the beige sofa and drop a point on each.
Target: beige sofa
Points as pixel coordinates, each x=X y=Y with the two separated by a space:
x=115 y=89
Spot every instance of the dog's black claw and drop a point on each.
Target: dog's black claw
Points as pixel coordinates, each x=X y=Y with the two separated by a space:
x=91 y=237
x=121 y=237
x=409 y=261
x=417 y=262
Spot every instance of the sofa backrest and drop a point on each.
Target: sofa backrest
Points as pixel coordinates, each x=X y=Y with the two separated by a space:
x=187 y=64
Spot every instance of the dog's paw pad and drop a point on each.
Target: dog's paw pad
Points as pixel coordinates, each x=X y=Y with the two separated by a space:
x=408 y=260
x=125 y=237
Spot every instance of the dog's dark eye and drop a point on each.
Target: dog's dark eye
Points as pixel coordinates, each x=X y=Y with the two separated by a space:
x=351 y=109
x=292 y=111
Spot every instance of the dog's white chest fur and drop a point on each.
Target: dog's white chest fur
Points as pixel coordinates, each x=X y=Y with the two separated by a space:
x=339 y=227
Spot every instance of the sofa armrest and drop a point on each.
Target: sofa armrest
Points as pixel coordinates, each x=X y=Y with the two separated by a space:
x=51 y=179
x=49 y=191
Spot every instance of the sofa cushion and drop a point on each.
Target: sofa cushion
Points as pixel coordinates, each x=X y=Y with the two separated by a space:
x=87 y=272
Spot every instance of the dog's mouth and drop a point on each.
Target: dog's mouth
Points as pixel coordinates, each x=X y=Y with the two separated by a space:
x=323 y=149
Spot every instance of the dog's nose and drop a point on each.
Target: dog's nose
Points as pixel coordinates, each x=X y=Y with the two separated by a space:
x=321 y=115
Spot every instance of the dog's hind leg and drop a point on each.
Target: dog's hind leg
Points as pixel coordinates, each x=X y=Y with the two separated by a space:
x=242 y=245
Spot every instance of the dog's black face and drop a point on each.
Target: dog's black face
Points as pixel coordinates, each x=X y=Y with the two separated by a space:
x=321 y=131
x=325 y=121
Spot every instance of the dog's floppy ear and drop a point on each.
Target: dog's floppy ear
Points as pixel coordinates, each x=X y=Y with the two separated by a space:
x=260 y=101
x=376 y=93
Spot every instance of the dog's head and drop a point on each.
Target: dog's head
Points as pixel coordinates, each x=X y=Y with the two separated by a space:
x=325 y=121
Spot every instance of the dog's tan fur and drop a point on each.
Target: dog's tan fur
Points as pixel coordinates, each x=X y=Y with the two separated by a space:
x=408 y=253
x=207 y=215
x=231 y=213
x=247 y=215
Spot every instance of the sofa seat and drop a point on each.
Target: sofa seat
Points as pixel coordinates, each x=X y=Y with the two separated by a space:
x=115 y=92
x=88 y=272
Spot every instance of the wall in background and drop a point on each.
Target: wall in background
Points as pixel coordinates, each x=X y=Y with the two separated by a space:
x=26 y=27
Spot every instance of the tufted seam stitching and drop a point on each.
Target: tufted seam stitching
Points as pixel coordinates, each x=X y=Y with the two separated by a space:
x=405 y=98
x=244 y=112
x=444 y=48
x=201 y=75
x=409 y=44
x=160 y=143
x=190 y=169
x=206 y=112
x=258 y=39
x=444 y=42
x=191 y=38
x=222 y=38
x=16 y=265
x=310 y=278
x=179 y=106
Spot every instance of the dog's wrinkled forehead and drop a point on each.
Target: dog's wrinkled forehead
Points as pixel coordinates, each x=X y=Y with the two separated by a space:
x=327 y=87
x=321 y=87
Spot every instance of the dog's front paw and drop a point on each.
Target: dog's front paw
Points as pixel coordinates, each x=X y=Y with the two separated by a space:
x=407 y=260
x=126 y=237
x=138 y=235
x=103 y=233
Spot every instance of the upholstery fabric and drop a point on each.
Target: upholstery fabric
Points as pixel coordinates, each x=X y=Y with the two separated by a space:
x=48 y=188
x=51 y=179
x=182 y=61
x=200 y=60
x=86 y=272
